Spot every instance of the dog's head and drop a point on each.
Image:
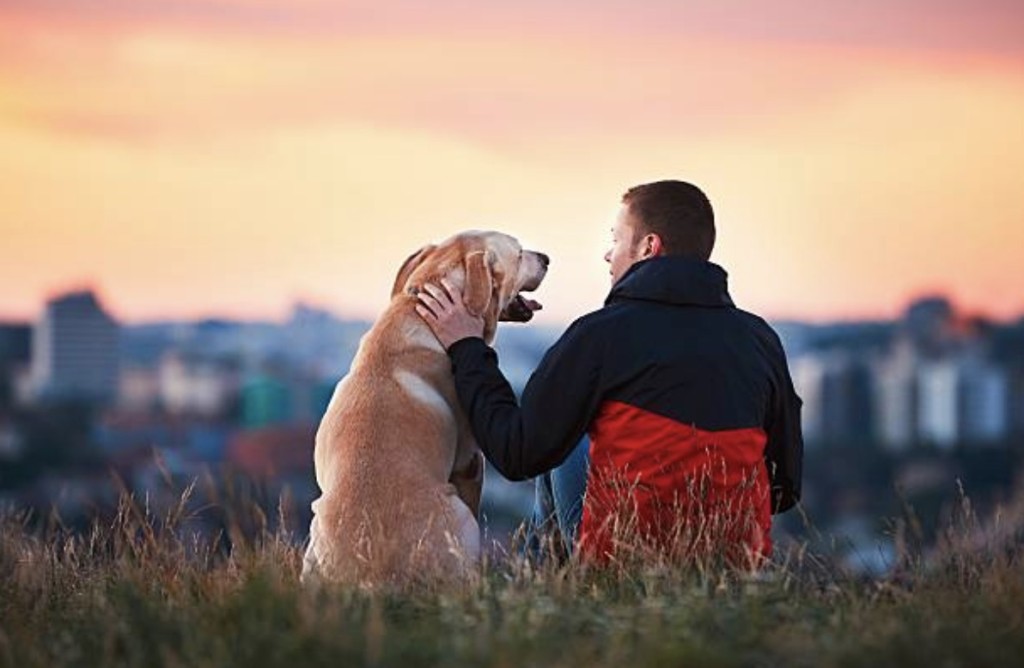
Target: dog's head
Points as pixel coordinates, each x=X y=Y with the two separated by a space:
x=490 y=268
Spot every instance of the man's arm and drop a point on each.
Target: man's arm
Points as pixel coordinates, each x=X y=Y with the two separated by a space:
x=784 y=453
x=559 y=401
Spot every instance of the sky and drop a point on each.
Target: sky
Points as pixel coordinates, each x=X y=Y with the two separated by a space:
x=191 y=158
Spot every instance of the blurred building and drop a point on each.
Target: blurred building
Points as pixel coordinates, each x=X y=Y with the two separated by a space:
x=316 y=343
x=808 y=372
x=75 y=350
x=985 y=403
x=895 y=399
x=15 y=343
x=1015 y=404
x=1008 y=354
x=15 y=356
x=931 y=326
x=942 y=384
x=278 y=394
x=138 y=388
x=836 y=389
x=964 y=400
x=192 y=384
x=267 y=400
x=939 y=420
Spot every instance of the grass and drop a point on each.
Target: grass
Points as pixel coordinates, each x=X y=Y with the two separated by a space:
x=134 y=591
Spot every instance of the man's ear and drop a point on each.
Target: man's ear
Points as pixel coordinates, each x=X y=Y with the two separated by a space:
x=409 y=266
x=652 y=245
x=479 y=287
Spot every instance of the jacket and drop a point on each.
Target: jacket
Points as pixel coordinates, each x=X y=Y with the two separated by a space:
x=687 y=399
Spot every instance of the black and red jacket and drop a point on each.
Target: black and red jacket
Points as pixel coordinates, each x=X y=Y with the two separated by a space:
x=684 y=396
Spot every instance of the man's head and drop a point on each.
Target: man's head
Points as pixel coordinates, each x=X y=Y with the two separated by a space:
x=661 y=218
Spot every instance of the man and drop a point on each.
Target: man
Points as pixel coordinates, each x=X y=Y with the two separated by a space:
x=693 y=421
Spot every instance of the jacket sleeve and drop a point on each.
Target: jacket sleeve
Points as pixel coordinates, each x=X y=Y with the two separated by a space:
x=559 y=401
x=784 y=453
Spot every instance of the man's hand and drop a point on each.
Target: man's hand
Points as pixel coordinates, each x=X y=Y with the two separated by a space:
x=446 y=314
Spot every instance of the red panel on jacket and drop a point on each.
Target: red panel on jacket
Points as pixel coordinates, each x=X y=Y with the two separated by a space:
x=660 y=484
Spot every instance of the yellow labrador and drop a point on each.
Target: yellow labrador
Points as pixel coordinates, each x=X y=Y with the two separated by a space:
x=399 y=472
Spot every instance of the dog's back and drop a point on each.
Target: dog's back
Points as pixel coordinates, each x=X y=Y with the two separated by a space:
x=384 y=452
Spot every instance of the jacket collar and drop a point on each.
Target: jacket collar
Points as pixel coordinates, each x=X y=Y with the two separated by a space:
x=673 y=280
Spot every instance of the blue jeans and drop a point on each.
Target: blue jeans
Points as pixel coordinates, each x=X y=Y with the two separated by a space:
x=558 y=501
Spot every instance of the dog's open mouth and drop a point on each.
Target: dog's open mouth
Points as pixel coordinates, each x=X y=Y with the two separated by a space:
x=520 y=309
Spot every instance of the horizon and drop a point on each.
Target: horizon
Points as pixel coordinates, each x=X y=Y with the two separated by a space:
x=195 y=157
x=961 y=312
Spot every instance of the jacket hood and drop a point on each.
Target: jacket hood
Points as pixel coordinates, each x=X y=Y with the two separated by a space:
x=673 y=280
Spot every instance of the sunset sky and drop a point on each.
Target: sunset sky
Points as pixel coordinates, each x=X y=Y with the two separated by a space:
x=197 y=157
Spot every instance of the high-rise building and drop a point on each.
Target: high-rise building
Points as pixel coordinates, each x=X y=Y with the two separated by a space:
x=75 y=350
x=896 y=398
x=985 y=403
x=940 y=422
x=964 y=400
x=836 y=390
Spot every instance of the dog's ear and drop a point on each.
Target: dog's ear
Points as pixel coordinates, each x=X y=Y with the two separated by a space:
x=479 y=288
x=409 y=266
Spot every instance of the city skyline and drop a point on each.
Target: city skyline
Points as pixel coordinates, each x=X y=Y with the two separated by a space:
x=291 y=306
x=208 y=157
x=936 y=377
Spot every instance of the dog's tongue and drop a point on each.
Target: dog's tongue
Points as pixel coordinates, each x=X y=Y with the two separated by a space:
x=520 y=309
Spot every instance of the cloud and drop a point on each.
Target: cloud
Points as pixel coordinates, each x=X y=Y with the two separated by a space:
x=161 y=84
x=195 y=157
x=986 y=26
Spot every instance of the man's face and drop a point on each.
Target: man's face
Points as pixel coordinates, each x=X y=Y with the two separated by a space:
x=625 y=244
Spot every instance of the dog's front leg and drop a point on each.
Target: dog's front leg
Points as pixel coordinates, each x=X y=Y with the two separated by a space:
x=469 y=482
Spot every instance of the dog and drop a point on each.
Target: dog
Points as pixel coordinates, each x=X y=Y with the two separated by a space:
x=399 y=471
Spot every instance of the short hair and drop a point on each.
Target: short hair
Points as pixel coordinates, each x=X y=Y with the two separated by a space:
x=676 y=211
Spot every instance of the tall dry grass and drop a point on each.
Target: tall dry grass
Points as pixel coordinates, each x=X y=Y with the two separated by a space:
x=139 y=590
